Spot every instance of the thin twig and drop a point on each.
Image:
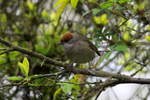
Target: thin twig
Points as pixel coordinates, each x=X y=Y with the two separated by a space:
x=99 y=92
x=6 y=51
x=46 y=75
x=3 y=49
x=110 y=60
x=79 y=83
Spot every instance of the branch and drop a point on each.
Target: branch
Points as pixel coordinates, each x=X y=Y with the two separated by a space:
x=98 y=89
x=6 y=51
x=31 y=53
x=67 y=67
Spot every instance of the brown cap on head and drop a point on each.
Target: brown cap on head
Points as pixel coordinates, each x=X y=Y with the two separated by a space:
x=66 y=37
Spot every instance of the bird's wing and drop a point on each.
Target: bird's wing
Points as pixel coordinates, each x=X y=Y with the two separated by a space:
x=93 y=47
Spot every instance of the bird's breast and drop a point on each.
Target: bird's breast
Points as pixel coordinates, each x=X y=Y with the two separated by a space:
x=80 y=53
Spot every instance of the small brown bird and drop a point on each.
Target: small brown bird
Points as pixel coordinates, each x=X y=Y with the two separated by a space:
x=78 y=48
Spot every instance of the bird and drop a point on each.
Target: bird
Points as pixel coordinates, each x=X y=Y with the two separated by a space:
x=78 y=48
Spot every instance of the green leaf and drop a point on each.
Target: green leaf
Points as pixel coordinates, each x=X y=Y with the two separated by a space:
x=106 y=5
x=95 y=11
x=101 y=19
x=120 y=47
x=106 y=55
x=41 y=49
x=3 y=59
x=44 y=14
x=21 y=66
x=26 y=63
x=57 y=93
x=129 y=68
x=74 y=3
x=59 y=2
x=61 y=8
x=123 y=1
x=67 y=87
x=24 y=67
x=31 y=5
x=113 y=0
x=15 y=78
x=3 y=18
x=14 y=55
x=85 y=13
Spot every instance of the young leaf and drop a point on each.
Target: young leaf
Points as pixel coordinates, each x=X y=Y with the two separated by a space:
x=101 y=19
x=44 y=14
x=63 y=4
x=24 y=67
x=21 y=66
x=74 y=3
x=3 y=18
x=147 y=37
x=26 y=63
x=31 y=5
x=59 y=2
x=129 y=68
x=126 y=36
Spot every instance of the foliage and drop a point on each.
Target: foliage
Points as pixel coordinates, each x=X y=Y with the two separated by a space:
x=24 y=67
x=120 y=28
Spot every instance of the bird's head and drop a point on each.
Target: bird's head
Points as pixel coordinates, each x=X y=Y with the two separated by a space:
x=66 y=38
